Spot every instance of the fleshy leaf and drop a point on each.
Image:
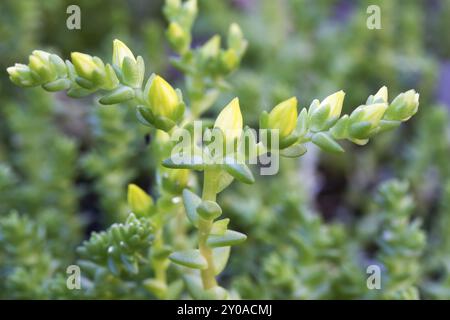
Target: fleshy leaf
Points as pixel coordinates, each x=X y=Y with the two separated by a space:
x=229 y=238
x=191 y=202
x=189 y=258
x=180 y=162
x=238 y=170
x=326 y=142
x=220 y=256
x=294 y=151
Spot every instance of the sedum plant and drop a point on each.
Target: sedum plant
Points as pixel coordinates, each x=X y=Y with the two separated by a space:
x=401 y=242
x=137 y=249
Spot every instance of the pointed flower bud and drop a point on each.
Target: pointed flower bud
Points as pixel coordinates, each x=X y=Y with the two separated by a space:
x=229 y=60
x=178 y=38
x=381 y=95
x=120 y=51
x=191 y=7
x=163 y=99
x=230 y=120
x=211 y=48
x=365 y=119
x=404 y=106
x=335 y=101
x=236 y=39
x=20 y=74
x=323 y=115
x=173 y=4
x=284 y=117
x=131 y=69
x=85 y=65
x=139 y=201
x=41 y=67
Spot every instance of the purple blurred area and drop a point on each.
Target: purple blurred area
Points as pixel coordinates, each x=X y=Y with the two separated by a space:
x=443 y=87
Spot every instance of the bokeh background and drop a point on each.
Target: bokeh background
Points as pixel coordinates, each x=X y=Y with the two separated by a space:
x=313 y=229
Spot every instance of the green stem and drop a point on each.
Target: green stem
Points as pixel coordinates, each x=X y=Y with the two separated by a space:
x=180 y=229
x=159 y=265
x=204 y=228
x=158 y=244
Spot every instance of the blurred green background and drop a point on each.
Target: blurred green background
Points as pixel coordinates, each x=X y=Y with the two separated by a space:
x=314 y=228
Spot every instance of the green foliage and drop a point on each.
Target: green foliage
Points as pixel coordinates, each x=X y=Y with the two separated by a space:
x=27 y=262
x=42 y=171
x=108 y=162
x=401 y=242
x=121 y=247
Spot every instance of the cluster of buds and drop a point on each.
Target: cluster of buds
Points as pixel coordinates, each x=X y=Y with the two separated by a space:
x=376 y=116
x=91 y=73
x=293 y=127
x=181 y=17
x=207 y=65
x=322 y=123
x=44 y=69
x=217 y=61
x=287 y=131
x=210 y=58
x=129 y=69
x=226 y=148
x=159 y=104
x=223 y=61
x=121 y=78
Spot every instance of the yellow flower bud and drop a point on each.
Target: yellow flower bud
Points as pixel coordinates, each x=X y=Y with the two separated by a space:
x=235 y=32
x=364 y=120
x=20 y=74
x=374 y=113
x=139 y=201
x=191 y=7
x=382 y=95
x=212 y=47
x=236 y=40
x=120 y=51
x=404 y=106
x=173 y=4
x=178 y=38
x=162 y=98
x=335 y=101
x=284 y=117
x=371 y=113
x=40 y=64
x=36 y=63
x=175 y=31
x=230 y=120
x=84 y=64
x=230 y=60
